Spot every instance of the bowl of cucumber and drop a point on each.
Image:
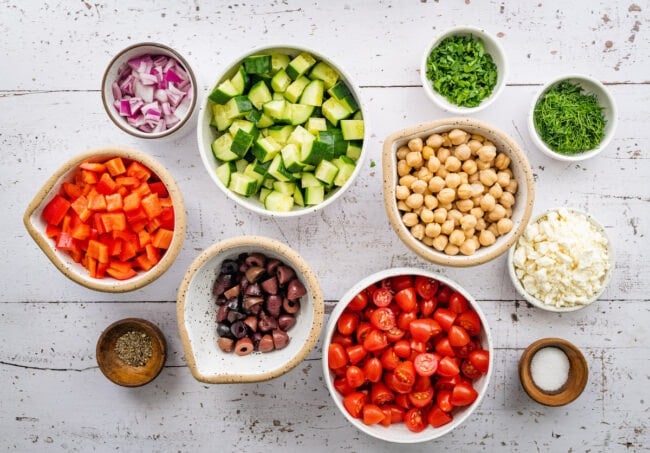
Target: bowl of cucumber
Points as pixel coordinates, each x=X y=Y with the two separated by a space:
x=281 y=132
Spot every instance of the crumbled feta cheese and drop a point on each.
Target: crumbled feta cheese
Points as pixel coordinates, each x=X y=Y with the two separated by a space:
x=562 y=259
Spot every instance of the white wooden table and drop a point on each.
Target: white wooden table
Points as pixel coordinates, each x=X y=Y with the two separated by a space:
x=52 y=54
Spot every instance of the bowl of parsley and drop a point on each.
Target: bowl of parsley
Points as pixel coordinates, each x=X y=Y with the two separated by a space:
x=572 y=118
x=463 y=70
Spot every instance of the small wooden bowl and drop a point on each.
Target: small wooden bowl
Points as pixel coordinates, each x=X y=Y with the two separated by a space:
x=119 y=372
x=575 y=384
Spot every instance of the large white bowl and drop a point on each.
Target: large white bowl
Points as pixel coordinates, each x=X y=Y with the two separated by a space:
x=206 y=135
x=590 y=86
x=398 y=432
x=492 y=47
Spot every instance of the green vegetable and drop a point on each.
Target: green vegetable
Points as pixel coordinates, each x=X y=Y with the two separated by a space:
x=461 y=70
x=568 y=120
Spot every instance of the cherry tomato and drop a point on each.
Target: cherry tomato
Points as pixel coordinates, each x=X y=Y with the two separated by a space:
x=443 y=347
x=464 y=351
x=395 y=334
x=372 y=414
x=388 y=418
x=447 y=382
x=358 y=302
x=396 y=413
x=421 y=398
x=347 y=323
x=375 y=340
x=428 y=306
x=405 y=373
x=444 y=293
x=458 y=303
x=426 y=287
x=402 y=349
x=424 y=328
x=341 y=385
x=426 y=363
x=372 y=369
x=342 y=339
x=445 y=318
x=443 y=400
x=414 y=419
x=381 y=394
x=400 y=282
x=336 y=356
x=406 y=299
x=458 y=336
x=355 y=376
x=405 y=318
x=463 y=394
x=447 y=367
x=402 y=400
x=438 y=418
x=362 y=331
x=469 y=370
x=382 y=297
x=480 y=358
x=470 y=321
x=422 y=383
x=418 y=346
x=383 y=319
x=389 y=359
x=356 y=353
x=354 y=403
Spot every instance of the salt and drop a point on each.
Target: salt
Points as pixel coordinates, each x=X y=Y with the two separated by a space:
x=550 y=368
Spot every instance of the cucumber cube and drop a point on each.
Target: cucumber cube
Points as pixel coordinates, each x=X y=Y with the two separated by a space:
x=284 y=187
x=340 y=91
x=324 y=72
x=275 y=109
x=259 y=94
x=313 y=93
x=295 y=89
x=237 y=107
x=241 y=142
x=219 y=117
x=352 y=129
x=315 y=125
x=353 y=150
x=326 y=172
x=278 y=170
x=300 y=136
x=264 y=121
x=346 y=168
x=223 y=172
x=291 y=158
x=280 y=81
x=258 y=64
x=279 y=61
x=223 y=92
x=334 y=111
x=265 y=148
x=244 y=125
x=242 y=184
x=278 y=202
x=221 y=148
x=309 y=180
x=298 y=197
x=240 y=80
x=300 y=65
x=314 y=194
x=298 y=113
x=280 y=133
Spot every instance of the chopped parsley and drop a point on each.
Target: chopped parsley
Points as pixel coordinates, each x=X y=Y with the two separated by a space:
x=461 y=70
x=568 y=120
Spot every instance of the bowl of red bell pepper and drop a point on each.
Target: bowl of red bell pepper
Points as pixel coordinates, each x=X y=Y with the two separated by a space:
x=110 y=219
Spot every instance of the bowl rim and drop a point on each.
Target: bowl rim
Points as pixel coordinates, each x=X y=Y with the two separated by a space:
x=108 y=105
x=139 y=324
x=610 y=128
x=300 y=265
x=62 y=262
x=491 y=252
x=207 y=156
x=540 y=304
x=503 y=69
x=347 y=297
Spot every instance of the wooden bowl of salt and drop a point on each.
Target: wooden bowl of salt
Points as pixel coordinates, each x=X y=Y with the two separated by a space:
x=553 y=371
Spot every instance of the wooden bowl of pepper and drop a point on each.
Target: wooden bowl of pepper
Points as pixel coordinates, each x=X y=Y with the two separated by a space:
x=131 y=352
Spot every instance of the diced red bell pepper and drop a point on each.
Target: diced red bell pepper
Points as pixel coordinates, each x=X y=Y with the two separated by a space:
x=98 y=251
x=159 y=188
x=114 y=202
x=96 y=201
x=72 y=191
x=65 y=241
x=120 y=270
x=52 y=231
x=131 y=202
x=128 y=181
x=80 y=231
x=114 y=221
x=144 y=238
x=151 y=205
x=106 y=185
x=167 y=218
x=89 y=177
x=115 y=166
x=55 y=210
x=143 y=190
x=138 y=215
x=80 y=206
x=162 y=238
x=137 y=170
x=97 y=167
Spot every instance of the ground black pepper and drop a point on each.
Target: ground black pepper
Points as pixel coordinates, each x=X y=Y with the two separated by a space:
x=134 y=348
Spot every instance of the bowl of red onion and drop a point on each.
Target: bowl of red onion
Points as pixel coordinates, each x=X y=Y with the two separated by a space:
x=149 y=91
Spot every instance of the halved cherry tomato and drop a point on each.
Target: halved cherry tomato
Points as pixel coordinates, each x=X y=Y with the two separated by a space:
x=443 y=400
x=341 y=385
x=463 y=394
x=400 y=282
x=414 y=419
x=375 y=340
x=428 y=306
x=426 y=363
x=356 y=353
x=458 y=336
x=389 y=359
x=480 y=358
x=372 y=414
x=383 y=319
x=382 y=297
x=354 y=403
x=405 y=373
x=443 y=347
x=404 y=319
x=363 y=330
x=355 y=376
x=438 y=418
x=347 y=323
x=469 y=370
x=470 y=321
x=343 y=340
x=447 y=367
x=402 y=400
x=445 y=318
x=421 y=398
x=443 y=294
x=372 y=369
x=402 y=349
x=406 y=299
x=395 y=334
x=424 y=328
x=358 y=302
x=457 y=303
x=381 y=394
x=426 y=287
x=464 y=351
x=336 y=356
x=396 y=413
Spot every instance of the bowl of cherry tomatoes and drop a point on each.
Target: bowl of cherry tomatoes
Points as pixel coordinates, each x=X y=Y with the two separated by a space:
x=407 y=355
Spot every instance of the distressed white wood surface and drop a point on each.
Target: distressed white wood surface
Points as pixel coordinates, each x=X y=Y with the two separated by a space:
x=52 y=396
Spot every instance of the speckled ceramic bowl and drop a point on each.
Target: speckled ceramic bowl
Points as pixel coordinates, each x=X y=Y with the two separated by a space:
x=196 y=314
x=75 y=271
x=398 y=432
x=522 y=173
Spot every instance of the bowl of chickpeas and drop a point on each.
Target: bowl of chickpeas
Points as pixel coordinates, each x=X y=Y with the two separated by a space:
x=457 y=191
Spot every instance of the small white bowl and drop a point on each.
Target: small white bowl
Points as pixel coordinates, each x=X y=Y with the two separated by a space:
x=111 y=74
x=398 y=432
x=590 y=86
x=196 y=315
x=561 y=309
x=207 y=134
x=492 y=47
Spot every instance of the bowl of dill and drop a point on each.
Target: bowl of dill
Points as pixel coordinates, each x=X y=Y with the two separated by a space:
x=572 y=118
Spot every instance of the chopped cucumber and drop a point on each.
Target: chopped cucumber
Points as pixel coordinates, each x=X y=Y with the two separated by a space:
x=242 y=184
x=352 y=129
x=309 y=180
x=221 y=148
x=354 y=150
x=284 y=187
x=224 y=171
x=259 y=94
x=280 y=133
x=278 y=170
x=314 y=194
x=237 y=107
x=298 y=197
x=258 y=64
x=221 y=120
x=275 y=109
x=244 y=125
x=313 y=93
x=315 y=125
x=240 y=80
x=334 y=111
x=264 y=191
x=279 y=61
x=265 y=148
x=295 y=89
x=291 y=158
x=241 y=142
x=300 y=65
x=280 y=81
x=326 y=73
x=278 y=202
x=326 y=171
x=300 y=136
x=298 y=113
x=223 y=92
x=346 y=168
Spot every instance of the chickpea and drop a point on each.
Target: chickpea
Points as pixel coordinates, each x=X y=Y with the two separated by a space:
x=486 y=237
x=467 y=222
x=480 y=224
x=440 y=242
x=486 y=153
x=478 y=137
x=419 y=186
x=503 y=179
x=453 y=179
x=468 y=247
x=512 y=186
x=410 y=219
x=415 y=144
x=469 y=233
x=474 y=146
x=426 y=240
x=446 y=195
x=464 y=191
x=430 y=201
x=457 y=237
x=447 y=227
x=487 y=203
x=504 y=226
x=457 y=136
x=424 y=174
x=496 y=191
x=434 y=141
x=510 y=173
x=452 y=250
x=502 y=161
x=415 y=200
x=477 y=189
x=455 y=215
x=452 y=164
x=473 y=178
x=508 y=213
x=407 y=180
x=432 y=230
x=433 y=164
x=445 y=140
x=477 y=213
x=401 y=205
x=402 y=192
x=436 y=184
x=440 y=215
x=464 y=177
x=414 y=159
x=463 y=152
x=487 y=177
x=464 y=205
x=507 y=200
x=443 y=154
x=492 y=228
x=418 y=231
x=470 y=167
x=447 y=206
x=498 y=213
x=418 y=210
x=402 y=151
x=427 y=152
x=426 y=215
x=442 y=172
x=403 y=168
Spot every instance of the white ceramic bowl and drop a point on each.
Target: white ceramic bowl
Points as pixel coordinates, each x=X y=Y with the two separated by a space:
x=590 y=86
x=207 y=134
x=520 y=166
x=561 y=309
x=196 y=313
x=398 y=432
x=75 y=271
x=492 y=47
x=181 y=128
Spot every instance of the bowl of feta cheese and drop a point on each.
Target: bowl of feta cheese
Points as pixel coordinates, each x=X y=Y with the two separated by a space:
x=563 y=261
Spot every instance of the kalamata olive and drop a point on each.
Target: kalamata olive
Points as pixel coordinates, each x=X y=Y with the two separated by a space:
x=221 y=300
x=284 y=273
x=286 y=321
x=254 y=273
x=255 y=309
x=256 y=337
x=244 y=346
x=250 y=301
x=272 y=265
x=223 y=330
x=253 y=289
x=229 y=267
x=266 y=323
x=280 y=339
x=233 y=303
x=238 y=329
x=243 y=267
x=273 y=305
x=222 y=313
x=251 y=322
x=232 y=292
x=295 y=289
x=243 y=283
x=255 y=259
x=225 y=344
x=270 y=285
x=266 y=343
x=291 y=306
x=222 y=283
